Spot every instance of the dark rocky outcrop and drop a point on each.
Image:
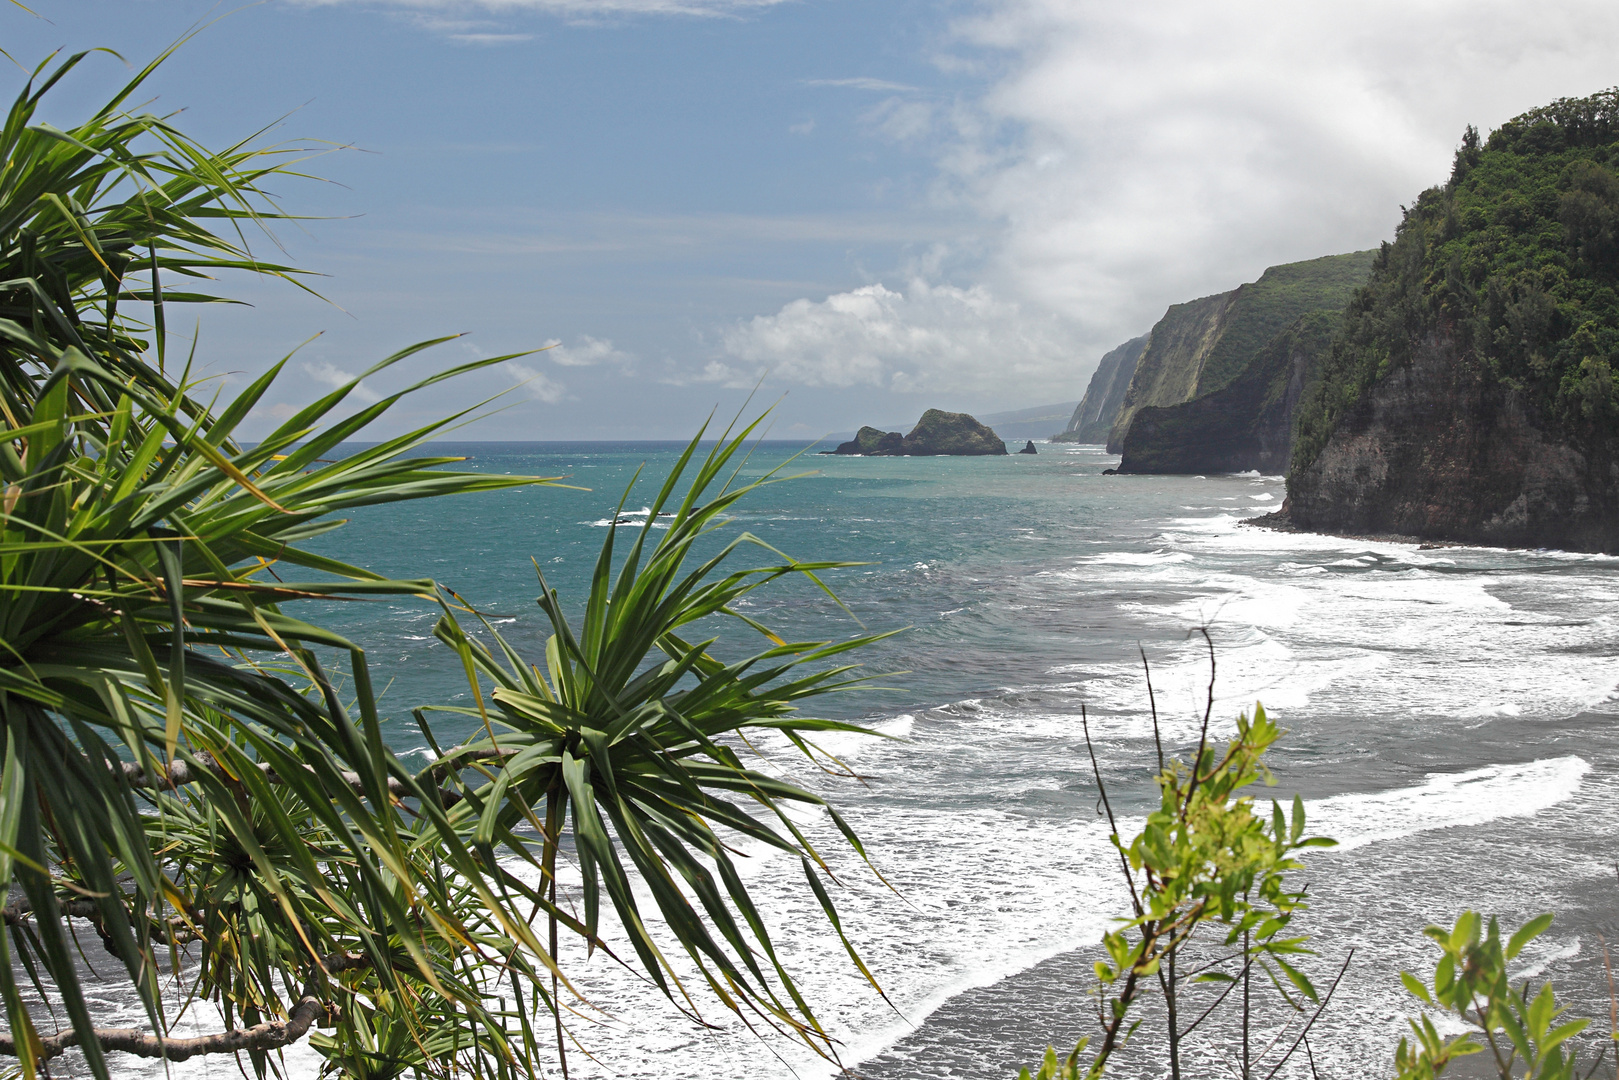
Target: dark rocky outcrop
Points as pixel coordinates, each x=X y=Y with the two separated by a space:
x=1028 y=447
x=1440 y=450
x=1093 y=418
x=1204 y=345
x=1245 y=425
x=1470 y=393
x=940 y=432
x=870 y=442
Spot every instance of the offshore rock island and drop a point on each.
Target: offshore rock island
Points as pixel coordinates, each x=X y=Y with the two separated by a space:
x=937 y=433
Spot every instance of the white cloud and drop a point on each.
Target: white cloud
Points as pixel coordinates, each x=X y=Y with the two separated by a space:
x=860 y=82
x=1124 y=157
x=572 y=9
x=589 y=351
x=900 y=120
x=336 y=377
x=1141 y=154
x=536 y=383
x=491 y=39
x=926 y=338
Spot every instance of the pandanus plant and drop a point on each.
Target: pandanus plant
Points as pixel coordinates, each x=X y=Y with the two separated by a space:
x=183 y=773
x=624 y=745
x=142 y=583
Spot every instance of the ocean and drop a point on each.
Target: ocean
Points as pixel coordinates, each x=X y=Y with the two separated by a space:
x=1450 y=715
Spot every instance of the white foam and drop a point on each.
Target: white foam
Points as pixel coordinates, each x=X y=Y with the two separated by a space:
x=1448 y=800
x=631 y=519
x=1133 y=558
x=1301 y=622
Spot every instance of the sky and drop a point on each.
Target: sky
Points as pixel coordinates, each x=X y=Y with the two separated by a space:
x=853 y=209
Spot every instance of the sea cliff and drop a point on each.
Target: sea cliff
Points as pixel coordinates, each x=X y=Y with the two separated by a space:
x=1247 y=425
x=1469 y=395
x=1171 y=361
x=1093 y=417
x=1201 y=347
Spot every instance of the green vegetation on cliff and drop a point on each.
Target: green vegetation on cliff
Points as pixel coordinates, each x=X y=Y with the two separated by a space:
x=1202 y=346
x=1267 y=307
x=1247 y=424
x=1515 y=260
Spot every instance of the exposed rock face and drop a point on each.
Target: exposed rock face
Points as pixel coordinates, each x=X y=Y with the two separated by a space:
x=1440 y=450
x=1093 y=419
x=870 y=441
x=1028 y=447
x=1171 y=362
x=940 y=432
x=1203 y=346
x=1246 y=425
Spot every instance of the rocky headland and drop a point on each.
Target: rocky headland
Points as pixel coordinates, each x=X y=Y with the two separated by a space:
x=937 y=433
x=1224 y=360
x=1468 y=394
x=1247 y=425
x=1214 y=385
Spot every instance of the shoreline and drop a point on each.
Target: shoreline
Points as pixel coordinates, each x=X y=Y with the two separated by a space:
x=1278 y=521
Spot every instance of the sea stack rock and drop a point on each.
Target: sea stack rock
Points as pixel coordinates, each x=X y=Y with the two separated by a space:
x=940 y=432
x=871 y=442
x=1028 y=448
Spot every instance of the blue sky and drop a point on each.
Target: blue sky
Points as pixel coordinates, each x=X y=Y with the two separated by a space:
x=875 y=207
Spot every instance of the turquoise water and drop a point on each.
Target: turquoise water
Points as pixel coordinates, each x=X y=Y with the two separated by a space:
x=941 y=535
x=1450 y=715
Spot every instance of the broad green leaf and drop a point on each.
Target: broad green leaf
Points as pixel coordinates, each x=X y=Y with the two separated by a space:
x=1415 y=986
x=1527 y=933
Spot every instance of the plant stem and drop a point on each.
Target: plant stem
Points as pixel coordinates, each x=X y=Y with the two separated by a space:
x=1247 y=974
x=1174 y=1026
x=555 y=811
x=1121 y=1004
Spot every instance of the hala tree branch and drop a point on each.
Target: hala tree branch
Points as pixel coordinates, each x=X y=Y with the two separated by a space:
x=271 y=1035
x=181 y=772
x=175 y=929
x=22 y=908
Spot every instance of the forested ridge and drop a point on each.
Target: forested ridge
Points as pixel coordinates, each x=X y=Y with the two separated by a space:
x=1515 y=258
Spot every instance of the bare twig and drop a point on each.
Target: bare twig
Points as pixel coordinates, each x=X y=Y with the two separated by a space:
x=1096 y=771
x=1230 y=986
x=1152 y=703
x=1203 y=736
x=1321 y=1009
